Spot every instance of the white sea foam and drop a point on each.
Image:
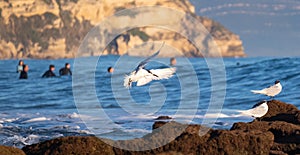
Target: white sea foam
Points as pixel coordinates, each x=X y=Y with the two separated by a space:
x=38 y=119
x=180 y=117
x=76 y=127
x=30 y=139
x=75 y=115
x=86 y=132
x=58 y=135
x=137 y=117
x=137 y=130
x=227 y=114
x=8 y=120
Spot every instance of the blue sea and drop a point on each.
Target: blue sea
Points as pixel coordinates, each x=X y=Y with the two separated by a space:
x=93 y=102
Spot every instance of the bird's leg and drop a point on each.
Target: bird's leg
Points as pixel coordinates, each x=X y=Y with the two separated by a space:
x=257 y=119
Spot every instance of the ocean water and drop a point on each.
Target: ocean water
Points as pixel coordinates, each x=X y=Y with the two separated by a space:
x=94 y=102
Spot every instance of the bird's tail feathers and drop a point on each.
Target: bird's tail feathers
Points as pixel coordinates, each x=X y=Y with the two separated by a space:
x=244 y=113
x=127 y=82
x=257 y=91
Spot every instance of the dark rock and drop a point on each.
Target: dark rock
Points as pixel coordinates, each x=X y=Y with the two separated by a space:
x=283 y=132
x=187 y=141
x=158 y=124
x=163 y=118
x=286 y=135
x=278 y=107
x=70 y=145
x=162 y=134
x=287 y=148
x=238 y=142
x=274 y=152
x=191 y=129
x=280 y=111
x=5 y=150
x=268 y=136
x=214 y=142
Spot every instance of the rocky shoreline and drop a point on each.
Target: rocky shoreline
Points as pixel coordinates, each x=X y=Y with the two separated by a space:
x=277 y=133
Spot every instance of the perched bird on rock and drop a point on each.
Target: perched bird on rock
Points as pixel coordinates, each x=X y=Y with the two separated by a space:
x=258 y=110
x=270 y=91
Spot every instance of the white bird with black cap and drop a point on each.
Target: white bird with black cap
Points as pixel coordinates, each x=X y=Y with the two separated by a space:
x=270 y=91
x=142 y=76
x=258 y=110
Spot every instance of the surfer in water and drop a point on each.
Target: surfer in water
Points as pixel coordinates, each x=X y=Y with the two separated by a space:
x=65 y=70
x=110 y=69
x=23 y=74
x=20 y=66
x=49 y=73
x=173 y=61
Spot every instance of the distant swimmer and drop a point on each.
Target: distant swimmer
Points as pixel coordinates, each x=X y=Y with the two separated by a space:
x=65 y=70
x=143 y=76
x=173 y=61
x=20 y=66
x=49 y=73
x=110 y=69
x=270 y=91
x=23 y=74
x=258 y=110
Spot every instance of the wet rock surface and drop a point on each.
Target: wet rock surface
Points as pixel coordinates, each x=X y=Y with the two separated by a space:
x=283 y=121
x=5 y=150
x=267 y=136
x=70 y=145
x=280 y=111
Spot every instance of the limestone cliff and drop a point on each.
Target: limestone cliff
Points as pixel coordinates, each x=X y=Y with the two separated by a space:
x=56 y=28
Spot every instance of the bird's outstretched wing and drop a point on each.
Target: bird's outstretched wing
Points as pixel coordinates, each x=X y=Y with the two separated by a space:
x=144 y=62
x=164 y=73
x=155 y=74
x=145 y=76
x=144 y=80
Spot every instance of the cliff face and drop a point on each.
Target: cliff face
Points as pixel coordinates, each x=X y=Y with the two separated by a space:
x=55 y=28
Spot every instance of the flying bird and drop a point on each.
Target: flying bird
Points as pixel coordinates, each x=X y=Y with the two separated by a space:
x=258 y=110
x=270 y=91
x=142 y=76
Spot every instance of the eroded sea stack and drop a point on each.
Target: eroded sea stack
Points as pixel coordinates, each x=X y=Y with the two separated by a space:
x=55 y=28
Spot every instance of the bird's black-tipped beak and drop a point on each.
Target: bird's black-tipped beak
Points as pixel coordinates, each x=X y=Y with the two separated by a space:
x=277 y=81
